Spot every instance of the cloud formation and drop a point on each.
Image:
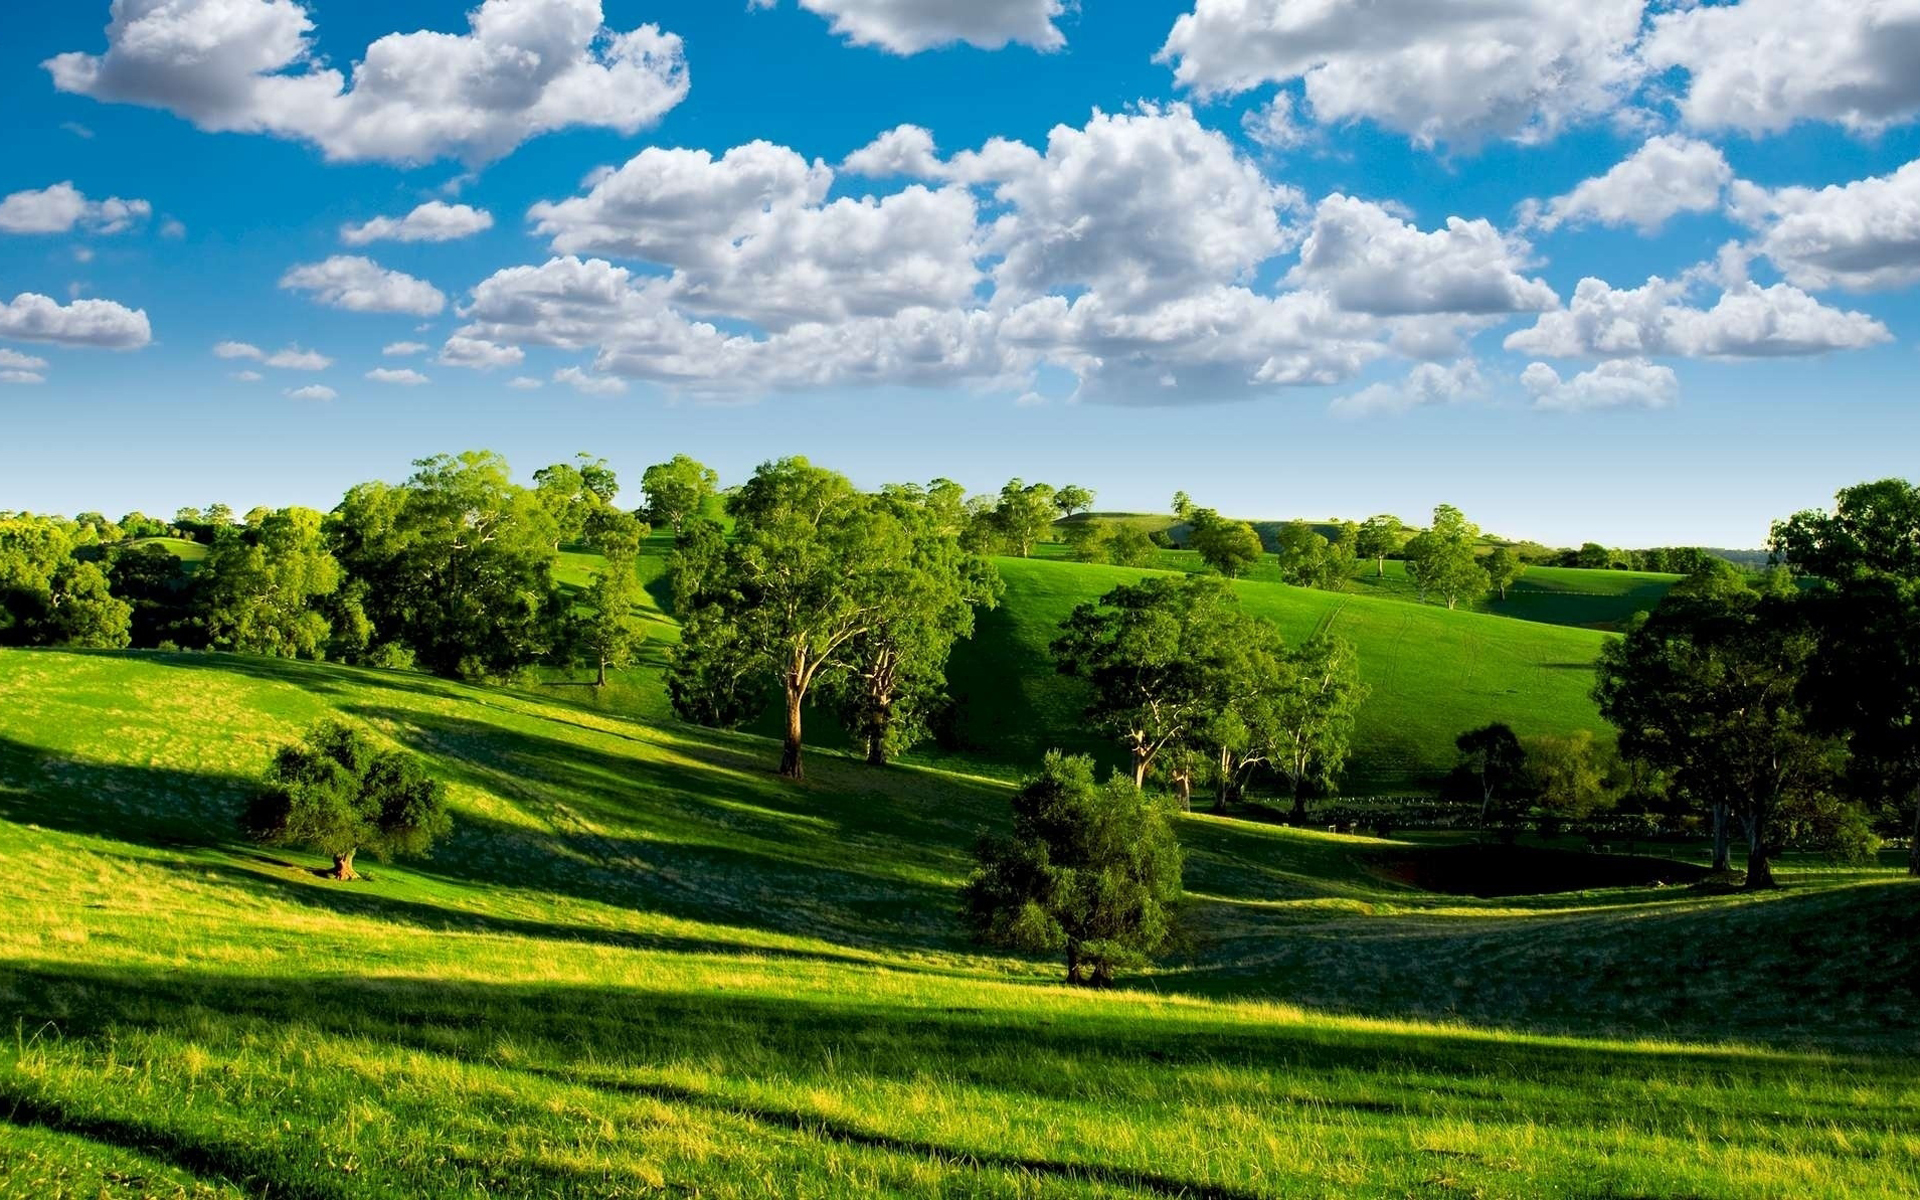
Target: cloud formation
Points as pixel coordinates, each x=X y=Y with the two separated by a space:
x=102 y=324
x=910 y=26
x=434 y=221
x=63 y=208
x=523 y=68
x=364 y=286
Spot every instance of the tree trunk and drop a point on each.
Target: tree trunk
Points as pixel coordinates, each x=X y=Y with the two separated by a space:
x=876 y=749
x=1073 y=963
x=1183 y=788
x=1102 y=974
x=602 y=680
x=790 y=751
x=1722 y=851
x=1380 y=567
x=1299 y=814
x=342 y=867
x=1141 y=760
x=1759 y=869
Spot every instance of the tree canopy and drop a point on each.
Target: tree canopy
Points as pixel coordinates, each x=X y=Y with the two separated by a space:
x=338 y=792
x=1090 y=870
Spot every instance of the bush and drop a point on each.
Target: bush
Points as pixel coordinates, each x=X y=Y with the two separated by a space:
x=339 y=793
x=1090 y=870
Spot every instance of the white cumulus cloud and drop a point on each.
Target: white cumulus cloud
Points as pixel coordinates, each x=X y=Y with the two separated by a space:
x=434 y=221
x=1428 y=383
x=1655 y=320
x=401 y=378
x=1616 y=383
x=1668 y=176
x=1371 y=261
x=1760 y=66
x=910 y=26
x=313 y=391
x=523 y=68
x=31 y=317
x=1456 y=71
x=293 y=358
x=362 y=285
x=63 y=207
x=1862 y=236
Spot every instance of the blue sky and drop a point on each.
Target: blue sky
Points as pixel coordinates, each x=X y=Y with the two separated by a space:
x=1296 y=258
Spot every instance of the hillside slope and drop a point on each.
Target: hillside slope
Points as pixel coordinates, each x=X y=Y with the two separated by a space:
x=642 y=962
x=1432 y=673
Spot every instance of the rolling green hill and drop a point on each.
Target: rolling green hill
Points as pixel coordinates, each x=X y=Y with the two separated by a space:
x=642 y=963
x=1432 y=673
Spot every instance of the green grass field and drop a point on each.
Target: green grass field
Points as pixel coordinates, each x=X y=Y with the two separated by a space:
x=1432 y=673
x=643 y=964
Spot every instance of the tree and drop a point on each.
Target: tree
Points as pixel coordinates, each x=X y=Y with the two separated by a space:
x=82 y=610
x=1151 y=652
x=1073 y=499
x=1182 y=505
x=1130 y=546
x=1566 y=775
x=262 y=587
x=610 y=634
x=1092 y=871
x=1379 y=536
x=1302 y=554
x=1496 y=762
x=897 y=668
x=1441 y=560
x=1865 y=682
x=1229 y=547
x=1087 y=541
x=456 y=565
x=1710 y=689
x=32 y=549
x=1024 y=515
x=1593 y=557
x=158 y=590
x=577 y=496
x=339 y=793
x=1503 y=568
x=813 y=568
x=1315 y=715
x=1342 y=553
x=677 y=489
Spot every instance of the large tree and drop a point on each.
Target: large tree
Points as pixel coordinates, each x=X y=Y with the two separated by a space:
x=812 y=570
x=1710 y=689
x=1073 y=499
x=578 y=496
x=1151 y=653
x=1865 y=554
x=1441 y=560
x=1025 y=514
x=455 y=565
x=608 y=635
x=677 y=489
x=1229 y=547
x=263 y=587
x=1493 y=758
x=1091 y=871
x=1316 y=711
x=1379 y=536
x=340 y=793
x=157 y=587
x=1503 y=568
x=1302 y=553
x=896 y=671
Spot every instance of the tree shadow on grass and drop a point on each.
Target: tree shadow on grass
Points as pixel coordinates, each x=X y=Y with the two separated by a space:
x=598 y=1035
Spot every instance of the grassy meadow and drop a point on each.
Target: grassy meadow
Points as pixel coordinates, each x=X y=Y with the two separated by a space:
x=642 y=964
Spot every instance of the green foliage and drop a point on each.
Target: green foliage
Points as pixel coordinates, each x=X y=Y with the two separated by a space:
x=339 y=793
x=1874 y=529
x=1090 y=870
x=264 y=586
x=1503 y=568
x=1711 y=690
x=1567 y=775
x=1087 y=541
x=82 y=610
x=457 y=565
x=821 y=582
x=896 y=673
x=1493 y=760
x=1131 y=546
x=578 y=496
x=1442 y=561
x=1378 y=537
x=1024 y=515
x=677 y=489
x=1229 y=547
x=609 y=635
x=1151 y=653
x=159 y=592
x=1073 y=499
